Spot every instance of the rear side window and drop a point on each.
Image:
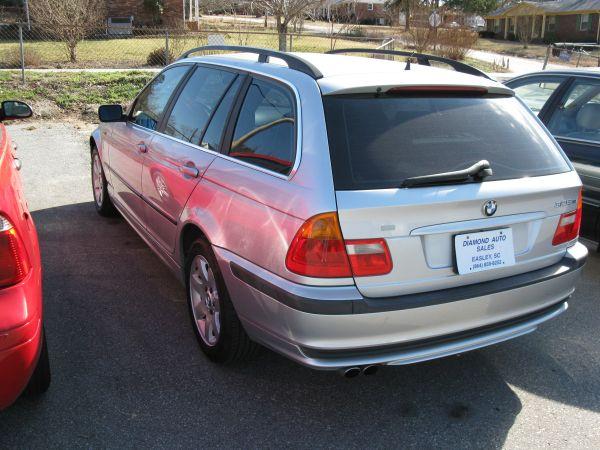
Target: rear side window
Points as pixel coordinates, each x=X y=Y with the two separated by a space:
x=265 y=130
x=151 y=103
x=196 y=103
x=214 y=132
x=535 y=93
x=377 y=143
x=578 y=116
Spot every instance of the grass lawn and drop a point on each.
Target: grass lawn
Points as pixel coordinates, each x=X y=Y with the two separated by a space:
x=72 y=94
x=511 y=48
x=77 y=94
x=132 y=53
x=113 y=53
x=534 y=51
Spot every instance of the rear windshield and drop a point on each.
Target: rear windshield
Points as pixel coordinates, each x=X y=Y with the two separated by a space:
x=378 y=142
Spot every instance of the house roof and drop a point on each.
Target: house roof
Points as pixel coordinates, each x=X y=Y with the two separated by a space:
x=550 y=7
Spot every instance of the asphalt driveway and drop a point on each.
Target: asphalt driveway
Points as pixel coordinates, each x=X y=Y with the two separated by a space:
x=128 y=372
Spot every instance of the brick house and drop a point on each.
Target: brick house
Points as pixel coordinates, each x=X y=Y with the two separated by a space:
x=361 y=11
x=548 y=21
x=172 y=11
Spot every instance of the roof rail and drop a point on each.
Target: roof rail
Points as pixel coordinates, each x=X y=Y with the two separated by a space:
x=422 y=59
x=293 y=62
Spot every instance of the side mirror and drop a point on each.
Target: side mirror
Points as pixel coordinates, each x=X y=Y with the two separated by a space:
x=111 y=113
x=13 y=109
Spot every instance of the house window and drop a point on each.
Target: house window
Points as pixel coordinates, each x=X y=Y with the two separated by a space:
x=496 y=25
x=551 y=24
x=585 y=22
x=370 y=7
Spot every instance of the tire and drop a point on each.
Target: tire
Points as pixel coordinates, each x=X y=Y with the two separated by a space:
x=208 y=296
x=102 y=201
x=40 y=380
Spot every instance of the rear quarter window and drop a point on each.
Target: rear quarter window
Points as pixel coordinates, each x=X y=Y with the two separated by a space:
x=378 y=142
x=265 y=131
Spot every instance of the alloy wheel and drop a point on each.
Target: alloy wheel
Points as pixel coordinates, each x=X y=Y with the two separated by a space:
x=204 y=297
x=97 y=181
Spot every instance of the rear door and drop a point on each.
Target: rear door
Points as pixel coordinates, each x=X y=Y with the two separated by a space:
x=129 y=141
x=378 y=141
x=575 y=123
x=574 y=120
x=179 y=156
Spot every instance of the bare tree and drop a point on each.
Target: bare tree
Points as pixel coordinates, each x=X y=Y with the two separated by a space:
x=524 y=31
x=69 y=21
x=344 y=19
x=285 y=12
x=404 y=6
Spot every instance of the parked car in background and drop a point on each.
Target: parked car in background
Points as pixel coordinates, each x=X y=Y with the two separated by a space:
x=24 y=365
x=344 y=211
x=568 y=103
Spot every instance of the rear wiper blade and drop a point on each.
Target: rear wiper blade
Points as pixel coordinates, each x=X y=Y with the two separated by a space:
x=477 y=172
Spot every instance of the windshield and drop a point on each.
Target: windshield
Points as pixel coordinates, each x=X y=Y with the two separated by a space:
x=378 y=142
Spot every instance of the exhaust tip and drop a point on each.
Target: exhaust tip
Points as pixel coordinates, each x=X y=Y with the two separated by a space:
x=351 y=372
x=370 y=370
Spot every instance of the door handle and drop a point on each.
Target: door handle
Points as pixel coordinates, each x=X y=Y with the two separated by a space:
x=190 y=171
x=142 y=147
x=17 y=163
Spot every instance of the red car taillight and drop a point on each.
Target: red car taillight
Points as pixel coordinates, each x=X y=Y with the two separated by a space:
x=568 y=225
x=369 y=257
x=14 y=262
x=319 y=250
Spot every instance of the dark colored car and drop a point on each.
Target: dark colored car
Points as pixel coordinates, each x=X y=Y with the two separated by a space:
x=568 y=102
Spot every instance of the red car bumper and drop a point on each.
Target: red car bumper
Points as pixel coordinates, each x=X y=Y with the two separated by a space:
x=20 y=336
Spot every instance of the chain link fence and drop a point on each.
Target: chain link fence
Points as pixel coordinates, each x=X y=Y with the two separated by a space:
x=38 y=48
x=573 y=54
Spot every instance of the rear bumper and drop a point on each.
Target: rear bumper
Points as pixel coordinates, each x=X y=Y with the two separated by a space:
x=335 y=327
x=18 y=363
x=20 y=335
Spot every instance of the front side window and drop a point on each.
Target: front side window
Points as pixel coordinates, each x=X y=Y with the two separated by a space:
x=578 y=115
x=197 y=102
x=536 y=92
x=265 y=130
x=151 y=103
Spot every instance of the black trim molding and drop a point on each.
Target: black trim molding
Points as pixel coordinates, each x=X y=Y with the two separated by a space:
x=373 y=305
x=424 y=343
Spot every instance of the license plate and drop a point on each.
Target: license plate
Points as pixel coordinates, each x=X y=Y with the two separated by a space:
x=485 y=250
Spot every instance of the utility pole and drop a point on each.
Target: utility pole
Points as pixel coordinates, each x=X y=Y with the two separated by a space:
x=27 y=15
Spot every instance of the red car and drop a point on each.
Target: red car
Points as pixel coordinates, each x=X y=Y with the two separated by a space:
x=24 y=366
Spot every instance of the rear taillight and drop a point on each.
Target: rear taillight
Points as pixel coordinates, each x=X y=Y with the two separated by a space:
x=568 y=225
x=319 y=250
x=14 y=262
x=369 y=257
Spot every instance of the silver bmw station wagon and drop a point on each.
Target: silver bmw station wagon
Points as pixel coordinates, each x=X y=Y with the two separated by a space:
x=344 y=211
